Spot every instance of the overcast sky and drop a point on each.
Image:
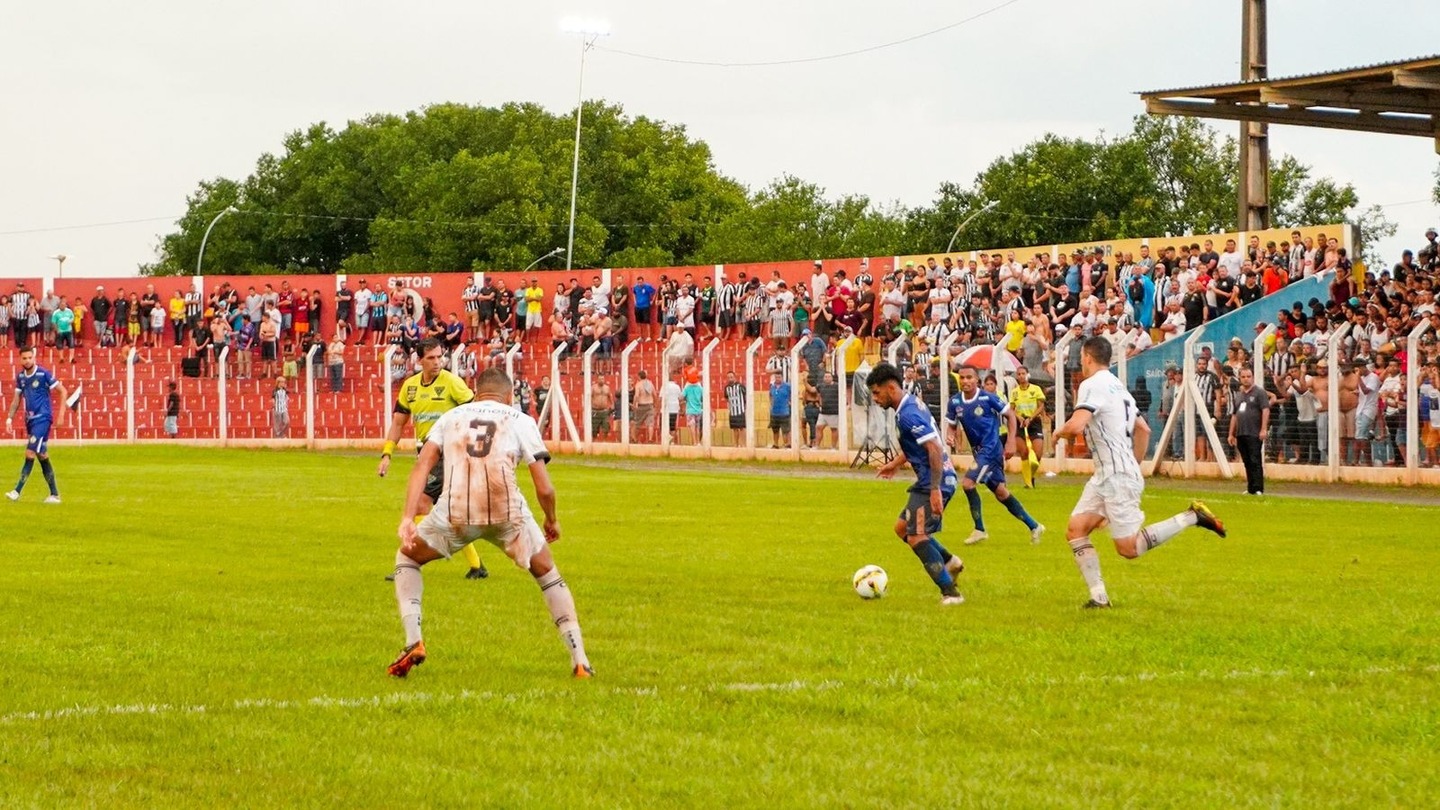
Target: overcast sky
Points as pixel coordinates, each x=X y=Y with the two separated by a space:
x=112 y=112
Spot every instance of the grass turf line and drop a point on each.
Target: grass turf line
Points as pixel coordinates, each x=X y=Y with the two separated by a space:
x=1291 y=664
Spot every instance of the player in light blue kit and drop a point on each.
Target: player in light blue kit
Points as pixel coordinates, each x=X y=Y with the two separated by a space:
x=979 y=413
x=935 y=480
x=33 y=385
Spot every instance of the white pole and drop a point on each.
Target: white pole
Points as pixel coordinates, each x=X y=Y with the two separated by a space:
x=200 y=259
x=892 y=351
x=585 y=44
x=665 y=408
x=587 y=397
x=842 y=441
x=310 y=396
x=750 y=352
x=1257 y=353
x=796 y=411
x=1123 y=361
x=1062 y=353
x=510 y=362
x=389 y=392
x=224 y=385
x=945 y=367
x=552 y=402
x=1412 y=402
x=625 y=391
x=130 y=394
x=1193 y=403
x=706 y=431
x=1332 y=357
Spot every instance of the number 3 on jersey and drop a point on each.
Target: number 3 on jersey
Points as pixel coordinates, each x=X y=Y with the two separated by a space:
x=482 y=434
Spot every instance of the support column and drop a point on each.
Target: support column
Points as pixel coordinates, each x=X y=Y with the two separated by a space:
x=1254 y=180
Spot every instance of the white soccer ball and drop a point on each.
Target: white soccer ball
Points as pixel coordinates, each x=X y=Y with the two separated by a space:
x=870 y=582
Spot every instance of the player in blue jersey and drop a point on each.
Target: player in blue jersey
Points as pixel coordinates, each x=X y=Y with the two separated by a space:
x=980 y=414
x=935 y=480
x=33 y=385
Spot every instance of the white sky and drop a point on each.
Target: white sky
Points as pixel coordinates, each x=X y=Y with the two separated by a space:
x=113 y=112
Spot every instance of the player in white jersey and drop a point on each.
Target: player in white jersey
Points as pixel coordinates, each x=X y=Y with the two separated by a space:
x=482 y=443
x=1117 y=438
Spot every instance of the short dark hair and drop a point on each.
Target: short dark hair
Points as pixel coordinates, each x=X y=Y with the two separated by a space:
x=1099 y=349
x=429 y=344
x=881 y=374
x=493 y=380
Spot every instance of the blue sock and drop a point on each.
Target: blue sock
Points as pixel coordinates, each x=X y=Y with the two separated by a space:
x=973 y=496
x=49 y=473
x=945 y=554
x=25 y=473
x=1013 y=504
x=930 y=556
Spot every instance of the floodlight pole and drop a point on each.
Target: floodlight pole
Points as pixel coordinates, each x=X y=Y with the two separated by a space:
x=587 y=41
x=200 y=259
x=967 y=221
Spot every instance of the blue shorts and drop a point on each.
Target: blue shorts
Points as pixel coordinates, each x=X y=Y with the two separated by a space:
x=990 y=472
x=38 y=436
x=917 y=516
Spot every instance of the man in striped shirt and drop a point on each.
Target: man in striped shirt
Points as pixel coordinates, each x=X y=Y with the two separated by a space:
x=727 y=307
x=1117 y=437
x=737 y=402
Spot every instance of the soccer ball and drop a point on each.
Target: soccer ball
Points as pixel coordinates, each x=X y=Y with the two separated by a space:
x=870 y=582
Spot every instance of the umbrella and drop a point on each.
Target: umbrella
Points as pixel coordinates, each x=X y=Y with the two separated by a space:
x=982 y=357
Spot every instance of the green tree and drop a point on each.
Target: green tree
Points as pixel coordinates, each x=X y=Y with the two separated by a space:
x=1166 y=176
x=792 y=219
x=456 y=186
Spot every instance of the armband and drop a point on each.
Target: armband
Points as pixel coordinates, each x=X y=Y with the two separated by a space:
x=389 y=449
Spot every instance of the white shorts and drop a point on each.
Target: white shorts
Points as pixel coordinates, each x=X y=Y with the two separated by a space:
x=831 y=421
x=534 y=319
x=1117 y=499
x=520 y=539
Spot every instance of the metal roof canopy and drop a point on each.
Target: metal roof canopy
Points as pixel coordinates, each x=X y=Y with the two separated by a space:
x=1395 y=98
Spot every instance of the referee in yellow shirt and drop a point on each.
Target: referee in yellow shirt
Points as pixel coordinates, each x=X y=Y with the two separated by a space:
x=423 y=399
x=1028 y=400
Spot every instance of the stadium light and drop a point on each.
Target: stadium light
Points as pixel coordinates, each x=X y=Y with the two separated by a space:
x=556 y=252
x=967 y=220
x=200 y=259
x=588 y=30
x=60 y=257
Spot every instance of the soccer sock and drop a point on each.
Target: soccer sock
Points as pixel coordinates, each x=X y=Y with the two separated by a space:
x=562 y=609
x=1157 y=533
x=49 y=473
x=472 y=556
x=933 y=559
x=409 y=586
x=973 y=497
x=1013 y=504
x=945 y=554
x=25 y=473
x=1089 y=563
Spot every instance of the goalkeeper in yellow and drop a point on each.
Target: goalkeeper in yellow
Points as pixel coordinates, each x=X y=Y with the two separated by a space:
x=1028 y=400
x=423 y=399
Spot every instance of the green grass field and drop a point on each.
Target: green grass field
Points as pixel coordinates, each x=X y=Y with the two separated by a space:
x=206 y=628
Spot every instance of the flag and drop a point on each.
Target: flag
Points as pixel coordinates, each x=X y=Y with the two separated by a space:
x=1030 y=464
x=73 y=401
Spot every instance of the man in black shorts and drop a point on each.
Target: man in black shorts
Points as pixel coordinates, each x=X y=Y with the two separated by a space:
x=738 y=404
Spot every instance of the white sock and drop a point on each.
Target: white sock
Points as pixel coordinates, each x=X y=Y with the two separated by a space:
x=409 y=587
x=562 y=609
x=1089 y=564
x=1157 y=533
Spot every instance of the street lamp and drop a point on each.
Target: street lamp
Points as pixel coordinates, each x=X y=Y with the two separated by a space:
x=60 y=257
x=589 y=31
x=200 y=260
x=555 y=252
x=962 y=225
